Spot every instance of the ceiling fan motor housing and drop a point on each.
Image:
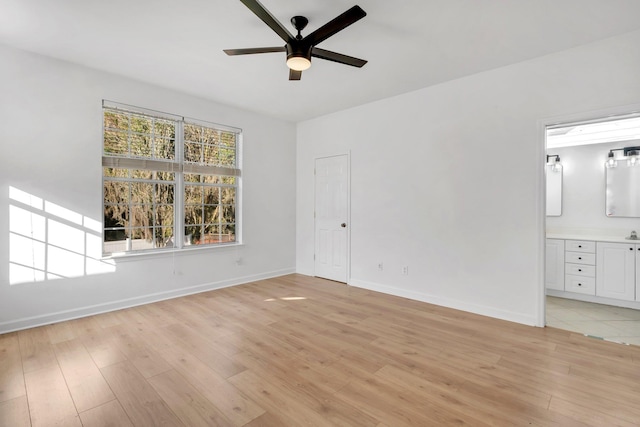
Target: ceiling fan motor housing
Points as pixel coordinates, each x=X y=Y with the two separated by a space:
x=299 y=50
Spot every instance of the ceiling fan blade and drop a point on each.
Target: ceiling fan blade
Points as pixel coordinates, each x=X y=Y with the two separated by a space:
x=338 y=23
x=253 y=50
x=268 y=18
x=294 y=75
x=337 y=57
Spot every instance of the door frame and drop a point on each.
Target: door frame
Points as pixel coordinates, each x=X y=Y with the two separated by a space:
x=348 y=251
x=543 y=123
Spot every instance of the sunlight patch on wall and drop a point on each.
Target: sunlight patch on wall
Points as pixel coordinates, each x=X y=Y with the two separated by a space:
x=48 y=241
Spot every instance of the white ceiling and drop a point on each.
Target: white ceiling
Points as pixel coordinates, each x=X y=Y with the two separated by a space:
x=410 y=44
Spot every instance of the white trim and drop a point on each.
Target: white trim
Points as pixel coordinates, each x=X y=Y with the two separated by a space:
x=61 y=316
x=140 y=110
x=349 y=224
x=592 y=116
x=172 y=252
x=239 y=189
x=554 y=122
x=541 y=223
x=161 y=114
x=447 y=302
x=178 y=195
x=140 y=163
x=601 y=119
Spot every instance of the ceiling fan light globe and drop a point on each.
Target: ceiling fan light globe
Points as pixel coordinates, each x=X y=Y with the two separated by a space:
x=298 y=63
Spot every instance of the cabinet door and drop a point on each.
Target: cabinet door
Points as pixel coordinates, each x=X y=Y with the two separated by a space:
x=616 y=271
x=637 y=272
x=554 y=265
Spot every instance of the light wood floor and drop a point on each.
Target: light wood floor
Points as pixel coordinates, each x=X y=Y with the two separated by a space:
x=300 y=351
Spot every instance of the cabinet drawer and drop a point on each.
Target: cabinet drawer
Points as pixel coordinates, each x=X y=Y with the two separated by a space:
x=580 y=258
x=580 y=270
x=580 y=246
x=581 y=285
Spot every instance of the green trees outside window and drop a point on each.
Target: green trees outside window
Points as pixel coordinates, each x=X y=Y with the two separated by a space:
x=167 y=183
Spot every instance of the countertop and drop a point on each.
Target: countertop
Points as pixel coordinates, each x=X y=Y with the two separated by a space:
x=592 y=237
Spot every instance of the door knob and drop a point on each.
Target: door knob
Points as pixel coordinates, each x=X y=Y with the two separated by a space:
x=343 y=225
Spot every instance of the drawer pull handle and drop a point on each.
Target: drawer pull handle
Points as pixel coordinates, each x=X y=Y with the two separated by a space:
x=579 y=257
x=579 y=269
x=579 y=284
x=579 y=246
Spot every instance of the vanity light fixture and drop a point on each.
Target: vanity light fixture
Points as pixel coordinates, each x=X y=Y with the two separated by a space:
x=554 y=160
x=632 y=155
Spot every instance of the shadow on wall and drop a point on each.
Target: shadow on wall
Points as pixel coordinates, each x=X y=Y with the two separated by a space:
x=48 y=241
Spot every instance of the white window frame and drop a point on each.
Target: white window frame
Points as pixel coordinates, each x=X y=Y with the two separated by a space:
x=180 y=167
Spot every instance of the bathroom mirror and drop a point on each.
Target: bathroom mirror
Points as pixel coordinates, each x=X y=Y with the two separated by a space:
x=554 y=190
x=623 y=190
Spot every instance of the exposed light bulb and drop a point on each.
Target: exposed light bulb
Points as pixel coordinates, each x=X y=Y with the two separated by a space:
x=611 y=163
x=553 y=160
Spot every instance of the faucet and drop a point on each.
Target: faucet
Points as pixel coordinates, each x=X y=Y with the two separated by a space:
x=633 y=235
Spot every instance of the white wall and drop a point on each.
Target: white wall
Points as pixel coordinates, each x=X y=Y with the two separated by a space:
x=448 y=179
x=50 y=134
x=583 y=193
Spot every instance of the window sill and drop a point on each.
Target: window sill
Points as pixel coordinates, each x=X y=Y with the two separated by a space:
x=123 y=256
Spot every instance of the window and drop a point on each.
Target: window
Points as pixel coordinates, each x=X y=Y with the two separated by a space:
x=168 y=182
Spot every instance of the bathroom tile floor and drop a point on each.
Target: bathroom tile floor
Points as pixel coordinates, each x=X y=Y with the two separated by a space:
x=603 y=321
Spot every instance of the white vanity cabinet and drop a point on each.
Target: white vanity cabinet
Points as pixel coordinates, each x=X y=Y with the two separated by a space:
x=600 y=270
x=616 y=270
x=554 y=273
x=580 y=267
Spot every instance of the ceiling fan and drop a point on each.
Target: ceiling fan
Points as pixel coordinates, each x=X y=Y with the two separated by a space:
x=300 y=49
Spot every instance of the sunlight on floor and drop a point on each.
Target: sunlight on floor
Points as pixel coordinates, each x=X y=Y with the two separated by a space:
x=285 y=299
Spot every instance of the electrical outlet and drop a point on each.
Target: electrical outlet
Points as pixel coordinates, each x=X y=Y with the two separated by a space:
x=380 y=266
x=405 y=270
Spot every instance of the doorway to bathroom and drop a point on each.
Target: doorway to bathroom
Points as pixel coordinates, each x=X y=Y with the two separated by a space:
x=592 y=261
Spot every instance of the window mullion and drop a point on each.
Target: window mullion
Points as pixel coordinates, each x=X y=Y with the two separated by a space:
x=178 y=200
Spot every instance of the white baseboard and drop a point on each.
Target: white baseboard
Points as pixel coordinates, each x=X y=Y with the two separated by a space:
x=447 y=302
x=60 y=316
x=305 y=272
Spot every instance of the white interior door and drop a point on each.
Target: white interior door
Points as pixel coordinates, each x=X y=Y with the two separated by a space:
x=331 y=217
